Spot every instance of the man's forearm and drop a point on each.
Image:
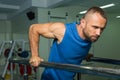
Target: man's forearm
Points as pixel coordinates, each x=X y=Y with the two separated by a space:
x=34 y=40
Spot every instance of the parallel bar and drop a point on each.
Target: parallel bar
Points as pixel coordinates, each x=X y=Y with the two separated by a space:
x=99 y=71
x=105 y=60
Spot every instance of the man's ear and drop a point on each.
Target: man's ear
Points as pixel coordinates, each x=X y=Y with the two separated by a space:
x=83 y=22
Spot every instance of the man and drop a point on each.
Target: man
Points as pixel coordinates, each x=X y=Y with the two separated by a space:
x=71 y=42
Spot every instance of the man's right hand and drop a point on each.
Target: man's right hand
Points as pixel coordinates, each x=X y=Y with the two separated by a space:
x=35 y=61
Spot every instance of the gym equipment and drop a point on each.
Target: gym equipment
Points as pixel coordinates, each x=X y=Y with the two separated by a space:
x=58 y=17
x=9 y=66
x=105 y=60
x=22 y=69
x=8 y=53
x=77 y=19
x=24 y=54
x=99 y=71
x=7 y=61
x=2 y=46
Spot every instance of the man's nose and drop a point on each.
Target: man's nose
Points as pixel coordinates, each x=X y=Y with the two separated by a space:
x=98 y=32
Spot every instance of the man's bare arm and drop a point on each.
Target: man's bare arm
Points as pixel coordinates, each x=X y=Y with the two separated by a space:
x=48 y=30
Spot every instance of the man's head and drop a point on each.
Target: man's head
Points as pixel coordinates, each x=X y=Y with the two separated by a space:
x=93 y=24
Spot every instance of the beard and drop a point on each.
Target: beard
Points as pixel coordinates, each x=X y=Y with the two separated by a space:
x=90 y=38
x=93 y=38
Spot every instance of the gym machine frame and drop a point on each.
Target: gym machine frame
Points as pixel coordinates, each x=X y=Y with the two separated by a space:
x=13 y=43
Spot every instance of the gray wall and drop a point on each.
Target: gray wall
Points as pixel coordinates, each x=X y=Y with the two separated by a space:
x=108 y=45
x=21 y=23
x=5 y=30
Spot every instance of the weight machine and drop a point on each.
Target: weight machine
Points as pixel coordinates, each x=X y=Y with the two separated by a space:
x=10 y=54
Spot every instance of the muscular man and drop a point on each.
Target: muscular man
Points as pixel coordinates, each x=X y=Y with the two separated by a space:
x=71 y=42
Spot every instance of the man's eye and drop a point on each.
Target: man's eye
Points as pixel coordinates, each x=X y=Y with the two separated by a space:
x=95 y=27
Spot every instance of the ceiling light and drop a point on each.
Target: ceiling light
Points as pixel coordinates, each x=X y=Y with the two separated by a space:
x=83 y=12
x=117 y=17
x=105 y=6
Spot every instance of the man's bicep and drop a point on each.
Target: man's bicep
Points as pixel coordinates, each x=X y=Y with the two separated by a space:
x=51 y=30
x=45 y=30
x=58 y=30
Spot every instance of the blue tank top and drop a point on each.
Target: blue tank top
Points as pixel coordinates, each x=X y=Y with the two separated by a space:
x=71 y=50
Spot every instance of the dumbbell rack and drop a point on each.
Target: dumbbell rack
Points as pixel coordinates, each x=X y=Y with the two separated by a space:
x=13 y=43
x=7 y=61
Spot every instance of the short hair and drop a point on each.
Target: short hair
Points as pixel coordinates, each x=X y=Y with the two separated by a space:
x=94 y=10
